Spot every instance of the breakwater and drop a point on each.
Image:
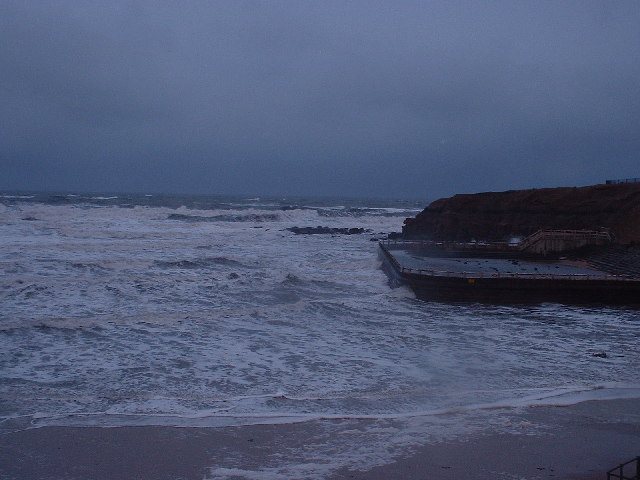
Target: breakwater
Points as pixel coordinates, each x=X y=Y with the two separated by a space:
x=437 y=271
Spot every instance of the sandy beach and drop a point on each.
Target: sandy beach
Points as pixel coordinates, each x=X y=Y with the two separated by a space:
x=578 y=442
x=584 y=445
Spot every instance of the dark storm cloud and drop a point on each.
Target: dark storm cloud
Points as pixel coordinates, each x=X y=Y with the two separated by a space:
x=353 y=98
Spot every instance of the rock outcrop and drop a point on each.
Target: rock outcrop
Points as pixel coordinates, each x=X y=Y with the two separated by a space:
x=327 y=231
x=499 y=216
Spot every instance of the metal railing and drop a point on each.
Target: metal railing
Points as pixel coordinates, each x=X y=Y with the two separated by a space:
x=624 y=471
x=505 y=246
x=468 y=246
x=564 y=235
x=622 y=180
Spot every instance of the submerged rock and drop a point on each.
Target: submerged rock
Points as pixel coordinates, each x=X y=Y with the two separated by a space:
x=327 y=230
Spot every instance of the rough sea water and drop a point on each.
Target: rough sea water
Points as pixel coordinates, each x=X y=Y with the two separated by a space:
x=206 y=311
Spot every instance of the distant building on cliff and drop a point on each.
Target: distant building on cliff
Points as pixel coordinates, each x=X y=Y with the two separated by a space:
x=623 y=180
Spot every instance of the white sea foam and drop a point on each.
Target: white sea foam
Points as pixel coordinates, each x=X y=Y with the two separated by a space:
x=122 y=316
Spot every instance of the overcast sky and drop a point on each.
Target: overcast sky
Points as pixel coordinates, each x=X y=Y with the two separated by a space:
x=396 y=99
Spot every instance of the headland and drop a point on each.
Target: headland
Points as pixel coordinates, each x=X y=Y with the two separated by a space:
x=554 y=244
x=501 y=216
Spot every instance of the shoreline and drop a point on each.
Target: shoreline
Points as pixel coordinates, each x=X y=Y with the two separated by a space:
x=585 y=443
x=578 y=441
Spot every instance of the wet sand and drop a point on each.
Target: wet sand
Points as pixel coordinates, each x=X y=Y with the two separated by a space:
x=585 y=445
x=580 y=441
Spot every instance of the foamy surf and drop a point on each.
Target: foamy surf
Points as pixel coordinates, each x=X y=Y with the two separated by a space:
x=223 y=416
x=203 y=312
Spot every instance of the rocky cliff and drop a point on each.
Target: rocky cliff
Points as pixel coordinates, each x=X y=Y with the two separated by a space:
x=498 y=216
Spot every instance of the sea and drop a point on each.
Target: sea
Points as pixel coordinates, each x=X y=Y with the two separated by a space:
x=122 y=310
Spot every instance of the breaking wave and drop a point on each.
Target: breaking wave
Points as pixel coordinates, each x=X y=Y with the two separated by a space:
x=199 y=263
x=252 y=217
